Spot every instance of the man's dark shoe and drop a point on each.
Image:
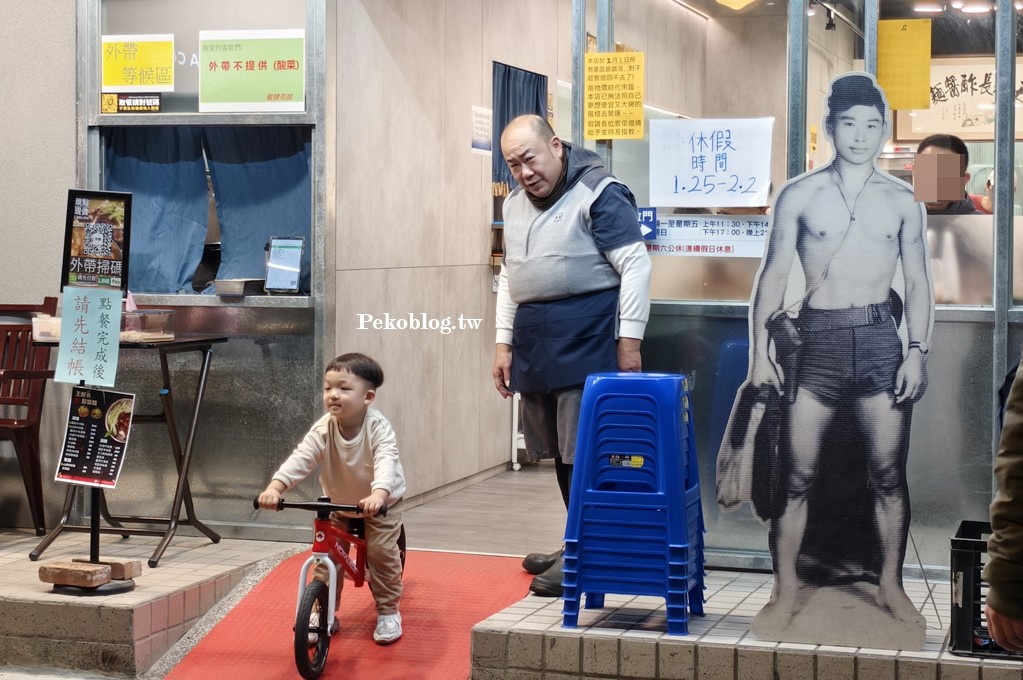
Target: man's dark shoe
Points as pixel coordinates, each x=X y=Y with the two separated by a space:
x=538 y=563
x=548 y=584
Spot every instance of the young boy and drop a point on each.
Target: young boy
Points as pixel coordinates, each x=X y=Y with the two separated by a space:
x=356 y=451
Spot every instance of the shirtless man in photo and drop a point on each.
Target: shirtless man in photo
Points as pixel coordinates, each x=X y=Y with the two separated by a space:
x=850 y=225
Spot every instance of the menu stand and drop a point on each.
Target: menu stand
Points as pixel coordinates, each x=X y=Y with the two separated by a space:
x=182 y=460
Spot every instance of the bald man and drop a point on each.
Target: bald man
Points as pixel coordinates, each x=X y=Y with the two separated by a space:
x=573 y=297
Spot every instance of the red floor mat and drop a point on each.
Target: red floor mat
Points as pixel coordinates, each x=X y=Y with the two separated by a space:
x=446 y=594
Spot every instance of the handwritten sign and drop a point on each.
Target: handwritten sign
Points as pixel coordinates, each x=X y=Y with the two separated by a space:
x=98 y=425
x=710 y=236
x=613 y=96
x=89 y=336
x=703 y=163
x=245 y=71
x=904 y=61
x=138 y=63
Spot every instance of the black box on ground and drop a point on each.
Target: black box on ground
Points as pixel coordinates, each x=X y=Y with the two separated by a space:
x=968 y=634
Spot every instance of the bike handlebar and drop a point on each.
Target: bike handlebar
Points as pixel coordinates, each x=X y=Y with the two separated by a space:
x=317 y=506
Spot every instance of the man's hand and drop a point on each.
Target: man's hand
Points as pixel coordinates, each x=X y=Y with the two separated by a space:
x=911 y=378
x=1007 y=632
x=372 y=503
x=763 y=373
x=502 y=369
x=629 y=360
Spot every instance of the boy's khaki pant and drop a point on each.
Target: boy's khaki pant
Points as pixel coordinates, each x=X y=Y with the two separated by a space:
x=383 y=559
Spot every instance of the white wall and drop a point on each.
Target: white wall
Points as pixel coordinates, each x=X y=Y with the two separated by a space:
x=413 y=204
x=37 y=143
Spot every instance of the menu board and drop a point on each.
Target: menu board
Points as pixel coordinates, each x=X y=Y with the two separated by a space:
x=96 y=437
x=96 y=236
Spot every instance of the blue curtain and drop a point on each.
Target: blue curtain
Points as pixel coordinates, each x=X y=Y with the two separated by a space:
x=163 y=169
x=262 y=182
x=516 y=92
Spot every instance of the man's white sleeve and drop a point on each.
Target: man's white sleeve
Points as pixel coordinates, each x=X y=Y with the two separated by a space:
x=505 y=310
x=632 y=264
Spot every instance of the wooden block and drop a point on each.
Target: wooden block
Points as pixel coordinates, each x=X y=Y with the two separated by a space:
x=120 y=569
x=83 y=575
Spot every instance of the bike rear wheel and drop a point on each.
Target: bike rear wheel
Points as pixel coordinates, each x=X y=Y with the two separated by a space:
x=310 y=658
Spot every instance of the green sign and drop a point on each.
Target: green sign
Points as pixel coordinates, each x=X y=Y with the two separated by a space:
x=244 y=71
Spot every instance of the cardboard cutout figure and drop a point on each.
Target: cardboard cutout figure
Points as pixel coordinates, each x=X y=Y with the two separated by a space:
x=819 y=432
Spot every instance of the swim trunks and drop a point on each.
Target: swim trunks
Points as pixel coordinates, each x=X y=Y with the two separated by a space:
x=848 y=353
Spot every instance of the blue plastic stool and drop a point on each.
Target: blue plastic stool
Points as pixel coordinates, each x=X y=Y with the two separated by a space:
x=635 y=522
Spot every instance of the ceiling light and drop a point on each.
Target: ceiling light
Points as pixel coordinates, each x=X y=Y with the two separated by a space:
x=811 y=10
x=1018 y=6
x=957 y=4
x=975 y=8
x=928 y=7
x=734 y=4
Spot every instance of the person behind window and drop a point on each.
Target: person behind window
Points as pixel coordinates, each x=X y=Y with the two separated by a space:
x=938 y=180
x=986 y=203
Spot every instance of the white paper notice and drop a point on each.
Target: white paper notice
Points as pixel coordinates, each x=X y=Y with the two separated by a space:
x=708 y=163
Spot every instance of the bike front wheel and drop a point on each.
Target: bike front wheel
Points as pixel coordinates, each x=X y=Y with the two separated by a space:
x=311 y=657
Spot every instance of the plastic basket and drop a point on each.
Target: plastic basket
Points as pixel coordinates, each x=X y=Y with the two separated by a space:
x=968 y=634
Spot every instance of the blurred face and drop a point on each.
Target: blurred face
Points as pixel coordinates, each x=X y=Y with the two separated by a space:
x=939 y=177
x=534 y=163
x=346 y=397
x=859 y=133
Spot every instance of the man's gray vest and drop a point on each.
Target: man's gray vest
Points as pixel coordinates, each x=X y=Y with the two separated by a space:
x=551 y=255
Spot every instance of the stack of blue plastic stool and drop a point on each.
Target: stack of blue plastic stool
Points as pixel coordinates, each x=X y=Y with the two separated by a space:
x=635 y=523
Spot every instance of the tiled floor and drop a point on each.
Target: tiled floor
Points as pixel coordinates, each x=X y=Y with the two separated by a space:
x=632 y=641
x=512 y=513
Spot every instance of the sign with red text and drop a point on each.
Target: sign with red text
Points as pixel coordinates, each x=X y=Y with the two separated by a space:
x=246 y=71
x=137 y=63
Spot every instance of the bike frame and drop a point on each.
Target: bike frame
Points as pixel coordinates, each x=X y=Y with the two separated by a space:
x=328 y=541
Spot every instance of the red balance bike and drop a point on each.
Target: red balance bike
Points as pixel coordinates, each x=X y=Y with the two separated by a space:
x=348 y=548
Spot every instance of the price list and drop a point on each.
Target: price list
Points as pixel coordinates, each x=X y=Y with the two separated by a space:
x=96 y=437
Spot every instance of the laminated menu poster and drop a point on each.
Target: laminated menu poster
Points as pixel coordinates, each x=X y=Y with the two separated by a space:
x=96 y=239
x=96 y=437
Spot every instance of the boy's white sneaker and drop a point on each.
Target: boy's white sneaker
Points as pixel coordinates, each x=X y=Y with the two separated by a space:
x=314 y=621
x=388 y=628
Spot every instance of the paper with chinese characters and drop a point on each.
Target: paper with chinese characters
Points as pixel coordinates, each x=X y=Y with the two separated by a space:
x=707 y=163
x=90 y=333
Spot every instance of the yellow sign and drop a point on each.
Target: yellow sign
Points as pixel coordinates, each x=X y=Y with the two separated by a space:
x=138 y=63
x=813 y=138
x=904 y=62
x=613 y=104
